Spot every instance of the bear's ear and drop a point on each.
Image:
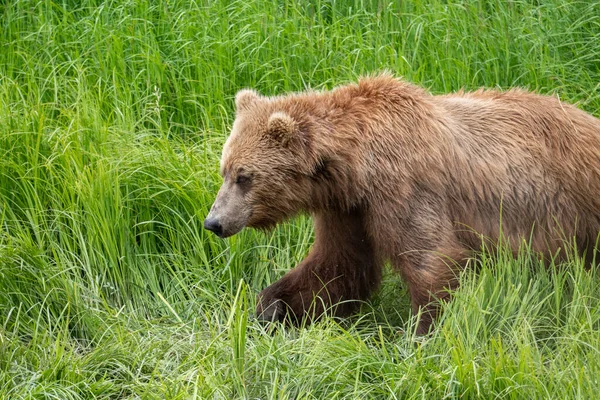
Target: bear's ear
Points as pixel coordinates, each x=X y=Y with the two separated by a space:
x=245 y=98
x=282 y=127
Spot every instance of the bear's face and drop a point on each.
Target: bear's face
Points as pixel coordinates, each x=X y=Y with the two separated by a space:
x=265 y=168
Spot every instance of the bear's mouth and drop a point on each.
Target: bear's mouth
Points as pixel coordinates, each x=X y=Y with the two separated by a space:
x=230 y=230
x=226 y=234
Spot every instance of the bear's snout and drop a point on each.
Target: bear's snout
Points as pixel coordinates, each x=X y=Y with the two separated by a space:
x=213 y=225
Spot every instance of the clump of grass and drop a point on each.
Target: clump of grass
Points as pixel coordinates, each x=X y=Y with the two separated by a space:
x=112 y=117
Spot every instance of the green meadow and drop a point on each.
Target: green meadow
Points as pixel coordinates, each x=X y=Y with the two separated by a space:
x=112 y=119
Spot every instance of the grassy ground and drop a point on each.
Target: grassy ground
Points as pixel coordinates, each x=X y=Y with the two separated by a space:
x=112 y=117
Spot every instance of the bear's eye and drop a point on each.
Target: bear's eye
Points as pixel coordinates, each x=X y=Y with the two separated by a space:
x=241 y=179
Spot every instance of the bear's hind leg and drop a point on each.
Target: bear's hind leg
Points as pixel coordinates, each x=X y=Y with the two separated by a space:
x=341 y=267
x=430 y=276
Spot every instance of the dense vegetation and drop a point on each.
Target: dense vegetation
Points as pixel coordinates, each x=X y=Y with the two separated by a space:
x=112 y=117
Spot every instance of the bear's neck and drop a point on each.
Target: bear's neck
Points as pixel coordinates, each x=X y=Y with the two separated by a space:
x=366 y=141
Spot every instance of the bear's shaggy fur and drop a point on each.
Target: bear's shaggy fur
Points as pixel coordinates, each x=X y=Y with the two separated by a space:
x=392 y=173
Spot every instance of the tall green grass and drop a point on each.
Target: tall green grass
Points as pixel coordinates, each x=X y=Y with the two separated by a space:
x=112 y=117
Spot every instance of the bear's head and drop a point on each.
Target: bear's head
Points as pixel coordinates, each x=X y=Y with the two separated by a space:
x=268 y=165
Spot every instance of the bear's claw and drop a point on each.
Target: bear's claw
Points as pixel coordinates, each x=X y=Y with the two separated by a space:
x=274 y=312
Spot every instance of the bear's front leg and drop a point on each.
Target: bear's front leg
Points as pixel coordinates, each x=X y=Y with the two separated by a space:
x=341 y=268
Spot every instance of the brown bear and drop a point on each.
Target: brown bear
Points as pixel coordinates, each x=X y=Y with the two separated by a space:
x=391 y=173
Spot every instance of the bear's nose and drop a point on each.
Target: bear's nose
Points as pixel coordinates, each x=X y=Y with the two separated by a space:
x=213 y=225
